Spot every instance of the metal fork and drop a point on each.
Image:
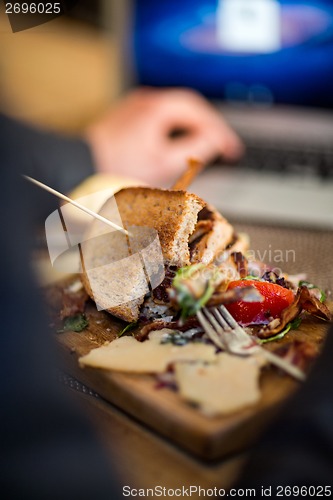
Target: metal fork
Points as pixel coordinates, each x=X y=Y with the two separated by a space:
x=224 y=331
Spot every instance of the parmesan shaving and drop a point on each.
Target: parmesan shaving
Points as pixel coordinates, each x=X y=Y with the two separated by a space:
x=229 y=385
x=126 y=354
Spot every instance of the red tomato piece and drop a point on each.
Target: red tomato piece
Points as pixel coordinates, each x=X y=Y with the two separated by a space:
x=276 y=298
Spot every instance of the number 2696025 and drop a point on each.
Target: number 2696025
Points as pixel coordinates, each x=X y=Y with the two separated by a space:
x=33 y=8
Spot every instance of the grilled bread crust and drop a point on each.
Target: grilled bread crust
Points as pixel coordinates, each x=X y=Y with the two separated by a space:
x=173 y=214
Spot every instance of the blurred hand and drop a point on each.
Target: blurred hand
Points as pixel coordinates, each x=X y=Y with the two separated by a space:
x=135 y=138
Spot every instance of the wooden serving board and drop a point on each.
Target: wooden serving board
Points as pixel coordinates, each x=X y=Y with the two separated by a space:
x=162 y=409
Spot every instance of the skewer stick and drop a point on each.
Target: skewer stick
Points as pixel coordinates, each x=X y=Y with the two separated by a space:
x=77 y=205
x=194 y=167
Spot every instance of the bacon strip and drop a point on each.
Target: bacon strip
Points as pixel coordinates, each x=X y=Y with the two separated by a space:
x=304 y=300
x=73 y=302
x=246 y=294
x=172 y=325
x=241 y=263
x=299 y=353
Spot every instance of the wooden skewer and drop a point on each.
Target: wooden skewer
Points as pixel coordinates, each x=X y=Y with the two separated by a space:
x=194 y=167
x=77 y=205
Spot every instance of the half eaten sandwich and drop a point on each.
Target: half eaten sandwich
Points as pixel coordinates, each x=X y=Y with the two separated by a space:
x=189 y=232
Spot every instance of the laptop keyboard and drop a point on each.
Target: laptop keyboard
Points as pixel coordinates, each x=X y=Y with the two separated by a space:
x=276 y=183
x=306 y=160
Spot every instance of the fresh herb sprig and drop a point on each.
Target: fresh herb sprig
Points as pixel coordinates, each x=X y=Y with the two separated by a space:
x=128 y=328
x=75 y=323
x=193 y=286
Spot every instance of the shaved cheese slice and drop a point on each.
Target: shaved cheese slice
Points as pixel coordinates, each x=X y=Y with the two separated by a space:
x=224 y=387
x=126 y=354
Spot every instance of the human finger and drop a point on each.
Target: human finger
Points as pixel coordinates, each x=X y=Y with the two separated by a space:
x=186 y=110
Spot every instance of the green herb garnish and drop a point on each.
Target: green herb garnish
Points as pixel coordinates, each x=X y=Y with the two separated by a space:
x=254 y=278
x=193 y=287
x=75 y=323
x=127 y=328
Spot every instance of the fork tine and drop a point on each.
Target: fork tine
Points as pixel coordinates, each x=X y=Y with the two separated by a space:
x=236 y=339
x=212 y=334
x=227 y=316
x=210 y=314
x=221 y=321
x=219 y=325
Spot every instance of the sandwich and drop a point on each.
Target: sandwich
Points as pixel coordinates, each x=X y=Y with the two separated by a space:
x=190 y=233
x=180 y=254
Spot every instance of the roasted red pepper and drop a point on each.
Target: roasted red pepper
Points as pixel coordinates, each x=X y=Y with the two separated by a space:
x=276 y=298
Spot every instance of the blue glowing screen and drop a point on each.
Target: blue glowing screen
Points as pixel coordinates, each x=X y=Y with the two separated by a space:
x=260 y=50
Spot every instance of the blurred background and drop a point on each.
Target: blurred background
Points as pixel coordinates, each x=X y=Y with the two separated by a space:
x=266 y=64
x=258 y=52
x=60 y=74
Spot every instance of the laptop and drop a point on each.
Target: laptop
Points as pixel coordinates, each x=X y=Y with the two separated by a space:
x=267 y=65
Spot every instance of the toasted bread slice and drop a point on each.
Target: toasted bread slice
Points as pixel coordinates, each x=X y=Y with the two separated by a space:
x=172 y=213
x=113 y=278
x=110 y=274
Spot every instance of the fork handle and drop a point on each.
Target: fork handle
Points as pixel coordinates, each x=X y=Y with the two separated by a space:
x=284 y=365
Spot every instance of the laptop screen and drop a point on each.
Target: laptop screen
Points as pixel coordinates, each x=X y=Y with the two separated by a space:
x=253 y=51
